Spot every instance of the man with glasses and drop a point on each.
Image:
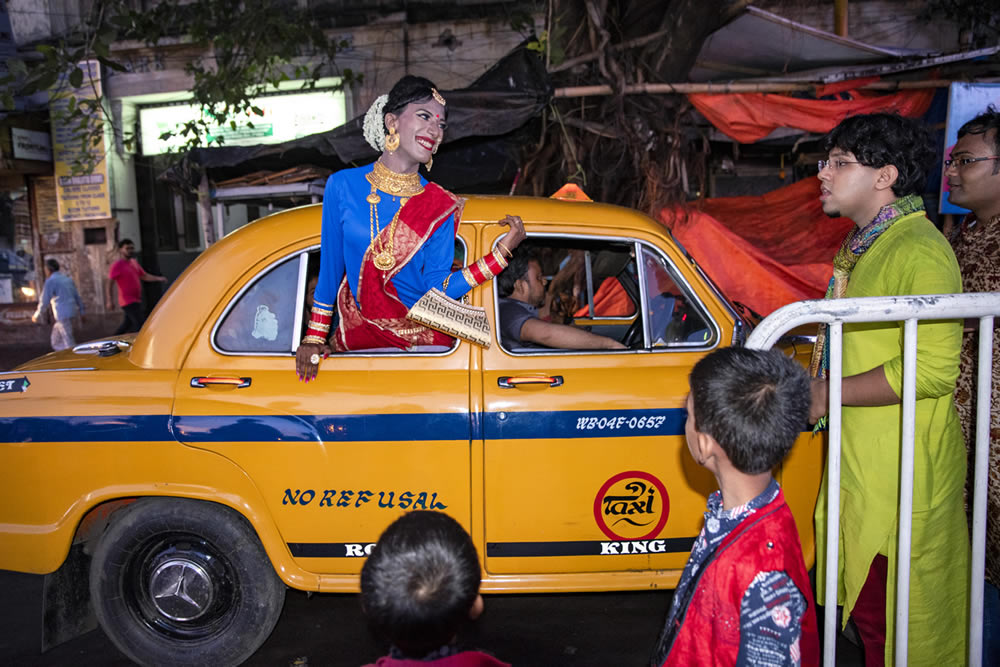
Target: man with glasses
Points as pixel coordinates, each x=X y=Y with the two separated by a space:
x=973 y=175
x=875 y=168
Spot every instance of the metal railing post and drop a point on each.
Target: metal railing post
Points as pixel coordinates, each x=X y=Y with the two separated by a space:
x=978 y=570
x=836 y=343
x=906 y=490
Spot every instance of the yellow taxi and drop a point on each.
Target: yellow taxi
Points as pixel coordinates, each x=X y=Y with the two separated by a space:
x=200 y=477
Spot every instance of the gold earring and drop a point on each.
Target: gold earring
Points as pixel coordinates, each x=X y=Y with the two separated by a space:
x=430 y=163
x=392 y=141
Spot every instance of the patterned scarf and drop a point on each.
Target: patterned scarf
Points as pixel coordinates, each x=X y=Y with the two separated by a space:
x=857 y=242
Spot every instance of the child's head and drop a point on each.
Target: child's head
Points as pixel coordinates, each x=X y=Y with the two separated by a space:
x=753 y=403
x=421 y=582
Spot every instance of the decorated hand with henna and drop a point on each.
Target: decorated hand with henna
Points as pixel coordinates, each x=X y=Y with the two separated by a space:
x=307 y=359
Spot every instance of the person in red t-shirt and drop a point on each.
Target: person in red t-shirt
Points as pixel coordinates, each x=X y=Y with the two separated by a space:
x=128 y=276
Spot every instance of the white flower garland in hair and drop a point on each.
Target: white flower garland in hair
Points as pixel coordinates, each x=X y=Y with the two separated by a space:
x=374 y=127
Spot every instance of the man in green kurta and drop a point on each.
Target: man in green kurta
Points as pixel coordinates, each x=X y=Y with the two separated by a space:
x=877 y=165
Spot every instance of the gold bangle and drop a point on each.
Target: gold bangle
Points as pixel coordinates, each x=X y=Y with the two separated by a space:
x=481 y=263
x=312 y=340
x=319 y=326
x=498 y=256
x=505 y=249
x=468 y=277
x=445 y=283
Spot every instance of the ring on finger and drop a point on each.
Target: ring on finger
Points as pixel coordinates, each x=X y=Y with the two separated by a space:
x=314 y=359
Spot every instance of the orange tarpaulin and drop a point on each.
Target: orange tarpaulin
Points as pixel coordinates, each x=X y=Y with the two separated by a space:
x=748 y=117
x=764 y=251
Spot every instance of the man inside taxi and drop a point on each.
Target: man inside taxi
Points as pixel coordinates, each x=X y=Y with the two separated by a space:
x=522 y=291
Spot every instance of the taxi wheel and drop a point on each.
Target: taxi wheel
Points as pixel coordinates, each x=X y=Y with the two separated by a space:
x=184 y=582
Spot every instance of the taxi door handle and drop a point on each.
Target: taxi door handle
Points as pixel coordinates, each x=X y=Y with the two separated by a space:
x=236 y=383
x=512 y=381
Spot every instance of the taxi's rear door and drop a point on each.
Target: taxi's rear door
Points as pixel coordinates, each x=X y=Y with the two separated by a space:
x=337 y=459
x=585 y=462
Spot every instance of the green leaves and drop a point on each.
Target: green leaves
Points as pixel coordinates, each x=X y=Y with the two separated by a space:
x=253 y=45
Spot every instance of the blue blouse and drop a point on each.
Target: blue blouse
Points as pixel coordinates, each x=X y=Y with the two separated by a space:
x=346 y=235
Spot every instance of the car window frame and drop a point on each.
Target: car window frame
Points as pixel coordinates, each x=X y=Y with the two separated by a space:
x=689 y=293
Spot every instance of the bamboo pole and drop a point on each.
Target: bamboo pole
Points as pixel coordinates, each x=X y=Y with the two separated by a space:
x=840 y=18
x=735 y=87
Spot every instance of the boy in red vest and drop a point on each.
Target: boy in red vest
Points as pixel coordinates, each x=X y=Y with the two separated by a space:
x=418 y=587
x=744 y=597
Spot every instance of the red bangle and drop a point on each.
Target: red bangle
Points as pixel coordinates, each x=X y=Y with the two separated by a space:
x=495 y=267
x=477 y=275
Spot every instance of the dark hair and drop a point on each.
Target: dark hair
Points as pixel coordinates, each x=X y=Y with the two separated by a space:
x=407 y=90
x=420 y=582
x=753 y=402
x=52 y=264
x=880 y=139
x=125 y=242
x=982 y=124
x=517 y=268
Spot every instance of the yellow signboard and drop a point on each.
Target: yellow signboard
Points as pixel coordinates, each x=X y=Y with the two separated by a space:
x=79 y=196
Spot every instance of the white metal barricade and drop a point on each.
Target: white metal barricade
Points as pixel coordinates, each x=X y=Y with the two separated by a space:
x=909 y=309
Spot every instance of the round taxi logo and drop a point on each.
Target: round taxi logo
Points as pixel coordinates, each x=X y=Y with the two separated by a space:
x=632 y=505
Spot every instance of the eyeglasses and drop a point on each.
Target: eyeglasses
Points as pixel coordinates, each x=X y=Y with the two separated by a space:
x=834 y=164
x=966 y=161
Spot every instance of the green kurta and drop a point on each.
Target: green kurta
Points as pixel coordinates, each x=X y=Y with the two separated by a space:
x=911 y=257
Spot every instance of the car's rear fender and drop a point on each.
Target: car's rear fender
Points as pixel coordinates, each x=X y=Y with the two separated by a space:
x=75 y=507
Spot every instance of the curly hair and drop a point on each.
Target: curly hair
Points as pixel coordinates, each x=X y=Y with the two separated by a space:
x=880 y=139
x=982 y=124
x=420 y=582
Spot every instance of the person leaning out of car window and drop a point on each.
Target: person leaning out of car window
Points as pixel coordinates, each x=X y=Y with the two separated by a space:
x=522 y=291
x=388 y=236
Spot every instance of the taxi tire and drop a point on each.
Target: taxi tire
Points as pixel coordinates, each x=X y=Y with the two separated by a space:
x=214 y=556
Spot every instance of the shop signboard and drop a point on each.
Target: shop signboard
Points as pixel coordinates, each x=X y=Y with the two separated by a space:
x=285 y=116
x=31 y=145
x=80 y=196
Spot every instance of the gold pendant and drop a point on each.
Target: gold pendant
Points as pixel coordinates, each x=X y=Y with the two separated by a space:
x=373 y=198
x=384 y=261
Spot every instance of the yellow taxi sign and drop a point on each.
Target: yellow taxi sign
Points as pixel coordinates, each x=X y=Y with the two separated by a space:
x=571 y=192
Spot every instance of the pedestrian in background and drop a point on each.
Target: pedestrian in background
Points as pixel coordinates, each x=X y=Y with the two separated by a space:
x=61 y=295
x=973 y=174
x=128 y=276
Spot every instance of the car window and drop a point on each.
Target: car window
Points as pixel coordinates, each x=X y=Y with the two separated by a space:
x=310 y=276
x=589 y=284
x=598 y=285
x=674 y=316
x=262 y=318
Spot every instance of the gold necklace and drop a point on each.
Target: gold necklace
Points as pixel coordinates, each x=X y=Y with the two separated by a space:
x=398 y=185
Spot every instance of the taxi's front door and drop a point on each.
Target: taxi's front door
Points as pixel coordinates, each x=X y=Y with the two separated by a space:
x=337 y=459
x=586 y=468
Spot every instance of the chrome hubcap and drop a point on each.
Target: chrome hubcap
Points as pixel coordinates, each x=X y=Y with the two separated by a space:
x=181 y=590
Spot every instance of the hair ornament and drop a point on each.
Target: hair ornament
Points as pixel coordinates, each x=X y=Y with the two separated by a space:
x=374 y=125
x=437 y=96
